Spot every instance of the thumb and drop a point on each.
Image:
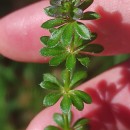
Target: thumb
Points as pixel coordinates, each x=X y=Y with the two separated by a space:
x=110 y=109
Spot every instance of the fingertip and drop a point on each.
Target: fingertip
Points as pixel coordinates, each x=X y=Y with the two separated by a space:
x=44 y=118
x=20 y=33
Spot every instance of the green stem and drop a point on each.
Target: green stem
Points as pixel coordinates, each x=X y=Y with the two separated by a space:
x=68 y=72
x=67 y=81
x=67 y=124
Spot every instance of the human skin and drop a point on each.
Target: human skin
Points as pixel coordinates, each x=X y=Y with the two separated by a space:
x=20 y=31
x=110 y=109
x=19 y=41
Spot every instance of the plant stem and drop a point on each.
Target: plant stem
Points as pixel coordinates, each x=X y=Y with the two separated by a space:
x=67 y=124
x=67 y=81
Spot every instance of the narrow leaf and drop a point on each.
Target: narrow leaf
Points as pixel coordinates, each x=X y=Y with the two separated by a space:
x=55 y=38
x=84 y=61
x=54 y=11
x=82 y=31
x=77 y=102
x=65 y=104
x=51 y=30
x=55 y=61
x=50 y=127
x=48 y=11
x=94 y=48
x=80 y=123
x=49 y=85
x=44 y=39
x=77 y=40
x=83 y=96
x=78 y=13
x=55 y=2
x=90 y=16
x=50 y=78
x=53 y=23
x=86 y=4
x=93 y=37
x=78 y=76
x=64 y=75
x=51 y=98
x=58 y=118
x=77 y=3
x=46 y=51
x=70 y=62
x=67 y=34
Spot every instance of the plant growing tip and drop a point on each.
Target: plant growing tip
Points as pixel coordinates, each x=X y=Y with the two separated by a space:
x=68 y=38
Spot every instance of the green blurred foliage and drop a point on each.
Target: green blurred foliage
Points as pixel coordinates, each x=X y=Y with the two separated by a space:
x=20 y=94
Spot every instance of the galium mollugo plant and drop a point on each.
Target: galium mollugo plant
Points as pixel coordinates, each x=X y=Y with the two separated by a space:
x=69 y=42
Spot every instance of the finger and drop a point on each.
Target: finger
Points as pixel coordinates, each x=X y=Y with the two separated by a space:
x=20 y=31
x=113 y=28
x=110 y=92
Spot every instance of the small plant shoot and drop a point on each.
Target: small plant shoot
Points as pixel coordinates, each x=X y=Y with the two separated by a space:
x=70 y=42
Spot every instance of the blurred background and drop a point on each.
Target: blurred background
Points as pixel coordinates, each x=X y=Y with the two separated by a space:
x=20 y=94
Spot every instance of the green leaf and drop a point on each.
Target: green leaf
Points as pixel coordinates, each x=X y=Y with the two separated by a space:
x=49 y=85
x=65 y=104
x=90 y=15
x=70 y=62
x=51 y=98
x=46 y=51
x=85 y=4
x=51 y=30
x=67 y=34
x=80 y=48
x=77 y=40
x=49 y=10
x=55 y=2
x=50 y=78
x=78 y=76
x=54 y=11
x=53 y=23
x=77 y=3
x=64 y=75
x=58 y=118
x=57 y=11
x=94 y=48
x=55 y=61
x=83 y=96
x=67 y=7
x=50 y=127
x=85 y=127
x=84 y=61
x=78 y=13
x=93 y=37
x=55 y=38
x=44 y=39
x=77 y=102
x=82 y=31
x=79 y=124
